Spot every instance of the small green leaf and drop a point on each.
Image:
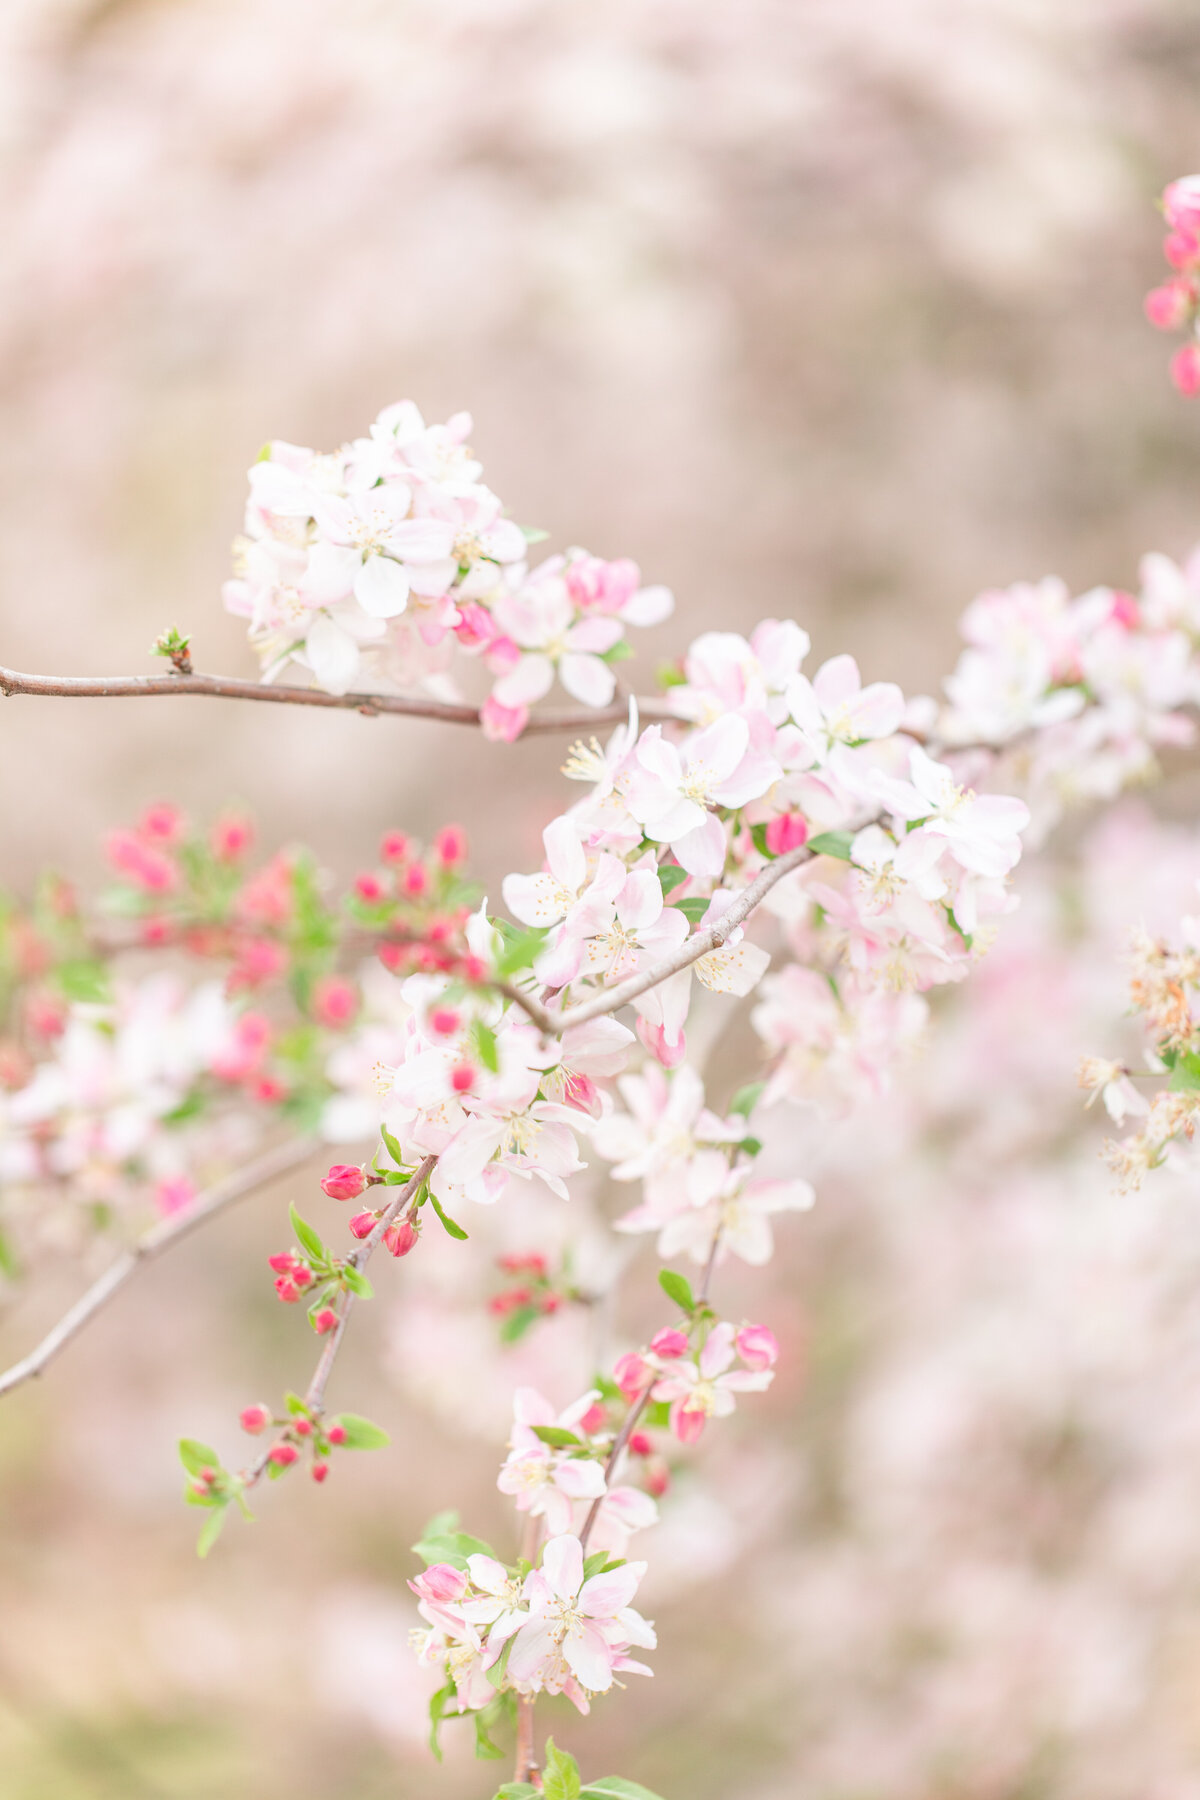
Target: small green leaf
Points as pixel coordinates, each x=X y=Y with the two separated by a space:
x=560 y=1777
x=455 y=1230
x=196 y=1456
x=84 y=981
x=669 y=675
x=499 y=1668
x=746 y=1099
x=657 y=1416
x=670 y=876
x=614 y=1787
x=210 y=1531
x=309 y=1240
x=693 y=909
x=484 y=1040
x=751 y=1146
x=517 y=1790
x=453 y=1547
x=360 y=1433
x=619 y=652
x=557 y=1437
x=520 y=949
x=393 y=1148
x=759 y=834
x=296 y=1406
x=594 y=1563
x=485 y=1750
x=677 y=1288
x=356 y=1281
x=8 y=1262
x=437 y=1708
x=1185 y=1076
x=832 y=843
x=516 y=1323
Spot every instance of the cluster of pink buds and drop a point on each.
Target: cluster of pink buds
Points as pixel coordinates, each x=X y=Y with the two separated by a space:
x=1174 y=305
x=534 y=1294
x=292 y=1276
x=303 y=1432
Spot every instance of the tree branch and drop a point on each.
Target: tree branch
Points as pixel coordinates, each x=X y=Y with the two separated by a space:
x=221 y=1195
x=701 y=943
x=229 y=687
x=314 y=1397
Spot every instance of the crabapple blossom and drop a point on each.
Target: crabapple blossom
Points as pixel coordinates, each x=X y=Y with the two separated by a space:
x=705 y=1387
x=579 y=1629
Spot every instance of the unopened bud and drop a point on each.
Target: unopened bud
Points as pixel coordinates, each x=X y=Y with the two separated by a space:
x=444 y=1020
x=640 y=1444
x=462 y=1078
x=401 y=1238
x=255 y=1419
x=344 y=1182
x=363 y=1224
x=757 y=1346
x=302 y=1427
x=450 y=845
x=669 y=1343
x=631 y=1374
x=283 y=1454
x=324 y=1321
x=336 y=1434
x=320 y=1470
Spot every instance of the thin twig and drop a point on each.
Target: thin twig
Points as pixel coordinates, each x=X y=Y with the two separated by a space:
x=614 y=1456
x=314 y=1397
x=167 y=1232
x=229 y=687
x=701 y=943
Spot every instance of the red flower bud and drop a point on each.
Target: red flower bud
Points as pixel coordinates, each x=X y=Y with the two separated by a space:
x=302 y=1427
x=785 y=832
x=368 y=887
x=688 y=1422
x=281 y=1262
x=283 y=1454
x=450 y=845
x=320 y=1470
x=462 y=1078
x=416 y=880
x=336 y=1434
x=324 y=1321
x=444 y=1020
x=757 y=1346
x=287 y=1290
x=640 y=1444
x=394 y=847
x=344 y=1182
x=401 y=1237
x=669 y=1343
x=363 y=1224
x=255 y=1419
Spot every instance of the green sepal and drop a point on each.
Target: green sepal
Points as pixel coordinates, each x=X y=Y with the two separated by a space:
x=296 y=1406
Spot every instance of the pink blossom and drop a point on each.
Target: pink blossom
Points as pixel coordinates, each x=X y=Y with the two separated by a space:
x=577 y=1628
x=706 y=1387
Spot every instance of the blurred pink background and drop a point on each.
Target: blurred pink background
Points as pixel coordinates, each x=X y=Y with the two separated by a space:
x=814 y=307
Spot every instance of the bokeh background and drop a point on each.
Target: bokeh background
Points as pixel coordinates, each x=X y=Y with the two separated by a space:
x=822 y=308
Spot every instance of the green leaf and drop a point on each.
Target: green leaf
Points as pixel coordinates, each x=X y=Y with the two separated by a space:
x=693 y=909
x=453 y=1547
x=520 y=949
x=8 y=1261
x=84 y=981
x=440 y=1524
x=752 y=1146
x=196 y=1456
x=557 y=1437
x=657 y=1415
x=515 y=1324
x=485 y=1750
x=296 y=1406
x=210 y=1531
x=455 y=1230
x=393 y=1148
x=759 y=834
x=484 y=1040
x=670 y=876
x=832 y=843
x=437 y=1707
x=746 y=1099
x=1185 y=1076
x=360 y=1433
x=499 y=1668
x=619 y=652
x=517 y=1790
x=677 y=1288
x=309 y=1240
x=594 y=1563
x=560 y=1777
x=357 y=1282
x=614 y=1787
x=669 y=675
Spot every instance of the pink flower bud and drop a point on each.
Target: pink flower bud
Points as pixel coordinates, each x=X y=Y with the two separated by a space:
x=336 y=1434
x=658 y=1480
x=757 y=1346
x=473 y=968
x=335 y=1001
x=287 y=1290
x=344 y=1182
x=255 y=1419
x=787 y=831
x=363 y=1224
x=1180 y=248
x=640 y=1444
x=320 y=1470
x=502 y=724
x=450 y=846
x=1181 y=203
x=669 y=1343
x=282 y=1262
x=302 y=1427
x=441 y=1582
x=631 y=1374
x=368 y=887
x=401 y=1238
x=462 y=1078
x=283 y=1454
x=1167 y=307
x=1125 y=611
x=231 y=836
x=174 y=1194
x=1185 y=370
x=416 y=880
x=593 y=1419
x=688 y=1422
x=444 y=1020
x=162 y=821
x=324 y=1321
x=394 y=848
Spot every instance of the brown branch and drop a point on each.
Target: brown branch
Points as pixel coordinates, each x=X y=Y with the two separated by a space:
x=169 y=1231
x=229 y=687
x=701 y=943
x=314 y=1397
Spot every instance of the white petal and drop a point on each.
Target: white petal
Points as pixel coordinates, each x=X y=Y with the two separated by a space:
x=381 y=587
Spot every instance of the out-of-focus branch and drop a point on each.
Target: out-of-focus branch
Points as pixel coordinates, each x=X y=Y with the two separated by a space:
x=228 y=687
x=314 y=1397
x=221 y=1195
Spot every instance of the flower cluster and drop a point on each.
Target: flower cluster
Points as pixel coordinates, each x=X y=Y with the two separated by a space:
x=1175 y=305
x=377 y=563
